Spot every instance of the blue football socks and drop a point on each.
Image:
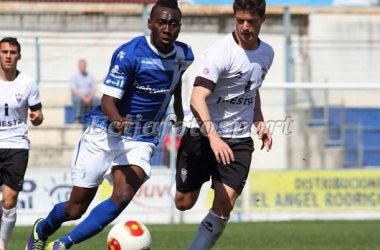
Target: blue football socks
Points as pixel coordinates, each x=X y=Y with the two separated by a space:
x=100 y=216
x=52 y=222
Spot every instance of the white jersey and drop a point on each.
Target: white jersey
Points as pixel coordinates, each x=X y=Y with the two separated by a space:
x=237 y=73
x=15 y=98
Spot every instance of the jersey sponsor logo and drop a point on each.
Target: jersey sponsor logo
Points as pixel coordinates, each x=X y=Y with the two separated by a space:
x=18 y=97
x=151 y=90
x=115 y=69
x=118 y=83
x=238 y=100
x=6 y=109
x=121 y=55
x=206 y=71
x=10 y=123
x=115 y=73
x=144 y=61
x=117 y=76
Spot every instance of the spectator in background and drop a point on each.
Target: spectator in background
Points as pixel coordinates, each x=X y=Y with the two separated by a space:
x=83 y=89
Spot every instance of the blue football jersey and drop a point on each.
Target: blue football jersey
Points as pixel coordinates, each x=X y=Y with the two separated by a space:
x=143 y=79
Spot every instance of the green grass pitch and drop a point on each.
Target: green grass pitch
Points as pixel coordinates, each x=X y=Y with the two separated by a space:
x=290 y=235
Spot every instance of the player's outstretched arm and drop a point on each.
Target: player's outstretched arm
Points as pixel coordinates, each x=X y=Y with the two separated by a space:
x=222 y=151
x=35 y=116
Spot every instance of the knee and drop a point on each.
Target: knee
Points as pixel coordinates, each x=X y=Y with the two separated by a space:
x=122 y=197
x=183 y=204
x=9 y=204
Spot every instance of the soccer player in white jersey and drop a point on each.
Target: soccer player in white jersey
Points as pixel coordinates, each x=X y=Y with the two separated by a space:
x=143 y=75
x=18 y=92
x=226 y=102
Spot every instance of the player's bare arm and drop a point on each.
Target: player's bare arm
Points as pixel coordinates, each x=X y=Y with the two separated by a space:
x=177 y=105
x=108 y=105
x=35 y=116
x=262 y=131
x=222 y=151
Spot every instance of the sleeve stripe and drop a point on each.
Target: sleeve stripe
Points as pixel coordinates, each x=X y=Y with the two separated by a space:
x=206 y=83
x=111 y=91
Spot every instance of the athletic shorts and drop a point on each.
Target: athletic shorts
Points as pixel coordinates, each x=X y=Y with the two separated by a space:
x=13 y=163
x=96 y=154
x=196 y=163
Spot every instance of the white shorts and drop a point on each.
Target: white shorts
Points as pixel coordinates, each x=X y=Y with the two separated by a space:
x=96 y=154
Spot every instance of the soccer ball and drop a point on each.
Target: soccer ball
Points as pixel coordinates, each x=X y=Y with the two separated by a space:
x=129 y=235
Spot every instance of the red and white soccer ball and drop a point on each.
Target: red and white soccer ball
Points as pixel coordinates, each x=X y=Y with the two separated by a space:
x=129 y=235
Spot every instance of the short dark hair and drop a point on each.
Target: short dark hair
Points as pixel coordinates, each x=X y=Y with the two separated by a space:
x=12 y=41
x=252 y=6
x=172 y=4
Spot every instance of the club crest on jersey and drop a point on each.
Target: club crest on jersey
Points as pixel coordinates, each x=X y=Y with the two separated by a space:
x=121 y=55
x=115 y=69
x=183 y=174
x=18 y=97
x=178 y=64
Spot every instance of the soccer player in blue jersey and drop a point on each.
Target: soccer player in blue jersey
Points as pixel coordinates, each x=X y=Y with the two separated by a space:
x=143 y=75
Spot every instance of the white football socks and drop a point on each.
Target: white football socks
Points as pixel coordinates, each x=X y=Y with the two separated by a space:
x=209 y=231
x=8 y=222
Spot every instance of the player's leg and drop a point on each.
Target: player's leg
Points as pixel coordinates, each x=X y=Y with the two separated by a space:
x=228 y=183
x=213 y=225
x=9 y=217
x=73 y=209
x=127 y=179
x=194 y=161
x=88 y=164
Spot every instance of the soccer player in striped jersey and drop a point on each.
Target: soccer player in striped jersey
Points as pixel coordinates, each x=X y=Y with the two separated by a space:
x=143 y=75
x=226 y=102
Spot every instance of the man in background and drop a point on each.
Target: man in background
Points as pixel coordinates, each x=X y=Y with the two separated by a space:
x=83 y=89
